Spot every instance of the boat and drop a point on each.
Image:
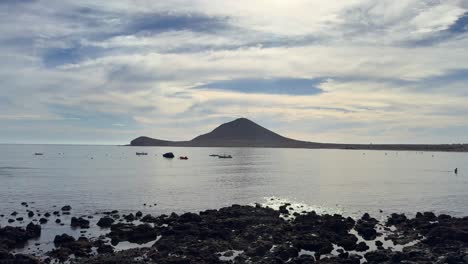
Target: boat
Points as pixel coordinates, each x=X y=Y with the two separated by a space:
x=214 y=155
x=38 y=154
x=141 y=153
x=183 y=157
x=168 y=155
x=225 y=156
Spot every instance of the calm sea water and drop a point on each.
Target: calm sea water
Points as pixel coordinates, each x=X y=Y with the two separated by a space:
x=94 y=179
x=99 y=178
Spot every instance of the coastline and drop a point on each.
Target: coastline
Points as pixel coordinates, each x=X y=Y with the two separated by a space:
x=454 y=148
x=240 y=234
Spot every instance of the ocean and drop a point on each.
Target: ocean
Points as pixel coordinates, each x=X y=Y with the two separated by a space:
x=94 y=179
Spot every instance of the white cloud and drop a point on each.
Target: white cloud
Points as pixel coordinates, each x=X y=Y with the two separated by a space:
x=376 y=77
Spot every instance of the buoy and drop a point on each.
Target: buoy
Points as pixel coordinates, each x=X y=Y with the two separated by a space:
x=456 y=170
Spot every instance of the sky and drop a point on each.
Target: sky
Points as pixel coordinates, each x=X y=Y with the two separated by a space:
x=353 y=71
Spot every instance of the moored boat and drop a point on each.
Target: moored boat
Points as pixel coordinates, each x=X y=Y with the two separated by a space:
x=225 y=156
x=168 y=155
x=183 y=157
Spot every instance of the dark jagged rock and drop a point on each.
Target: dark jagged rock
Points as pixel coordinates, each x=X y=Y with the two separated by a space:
x=139 y=234
x=138 y=214
x=129 y=218
x=67 y=245
x=105 y=249
x=105 y=222
x=30 y=214
x=79 y=222
x=63 y=239
x=11 y=237
x=66 y=208
x=262 y=236
x=43 y=221
x=149 y=219
x=366 y=227
x=7 y=258
x=33 y=230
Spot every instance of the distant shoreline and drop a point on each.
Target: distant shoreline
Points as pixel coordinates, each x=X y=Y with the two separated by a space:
x=243 y=132
x=461 y=148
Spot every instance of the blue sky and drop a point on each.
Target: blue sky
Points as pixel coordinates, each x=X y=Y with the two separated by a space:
x=358 y=71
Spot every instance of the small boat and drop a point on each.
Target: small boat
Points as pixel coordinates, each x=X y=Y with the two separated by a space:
x=168 y=155
x=214 y=155
x=183 y=157
x=225 y=156
x=38 y=154
x=141 y=153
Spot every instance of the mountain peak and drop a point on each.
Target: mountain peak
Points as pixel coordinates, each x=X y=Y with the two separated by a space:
x=240 y=131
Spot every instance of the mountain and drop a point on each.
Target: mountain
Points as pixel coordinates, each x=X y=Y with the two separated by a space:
x=243 y=132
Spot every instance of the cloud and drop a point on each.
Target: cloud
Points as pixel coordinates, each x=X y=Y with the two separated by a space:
x=390 y=71
x=273 y=86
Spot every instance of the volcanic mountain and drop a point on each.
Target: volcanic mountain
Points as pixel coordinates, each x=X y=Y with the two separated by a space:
x=242 y=132
x=238 y=133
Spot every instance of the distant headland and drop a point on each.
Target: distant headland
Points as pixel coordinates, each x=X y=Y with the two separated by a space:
x=243 y=132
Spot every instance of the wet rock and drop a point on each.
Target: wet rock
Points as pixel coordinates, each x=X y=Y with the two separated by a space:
x=138 y=214
x=189 y=217
x=30 y=214
x=63 y=239
x=283 y=209
x=259 y=248
x=366 y=227
x=378 y=256
x=442 y=234
x=379 y=244
x=396 y=219
x=19 y=219
x=139 y=234
x=79 y=222
x=129 y=218
x=43 y=221
x=47 y=214
x=105 y=249
x=33 y=230
x=11 y=220
x=14 y=213
x=6 y=258
x=348 y=242
x=58 y=221
x=11 y=237
x=105 y=222
x=361 y=247
x=285 y=252
x=149 y=219
x=67 y=245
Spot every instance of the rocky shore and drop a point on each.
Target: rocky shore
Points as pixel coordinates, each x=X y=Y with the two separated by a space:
x=246 y=234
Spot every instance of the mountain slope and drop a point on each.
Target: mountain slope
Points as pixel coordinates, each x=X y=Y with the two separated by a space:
x=244 y=133
x=241 y=132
